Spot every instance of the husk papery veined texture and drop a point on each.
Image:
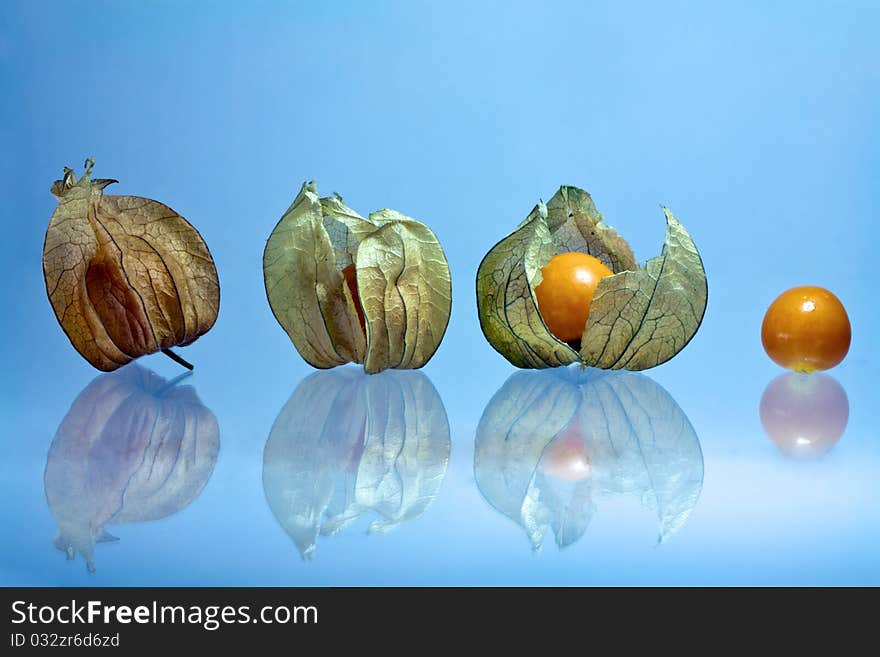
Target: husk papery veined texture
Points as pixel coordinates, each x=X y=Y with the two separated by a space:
x=638 y=440
x=639 y=317
x=403 y=284
x=126 y=276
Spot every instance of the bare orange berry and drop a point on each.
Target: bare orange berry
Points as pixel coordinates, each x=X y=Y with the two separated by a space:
x=566 y=291
x=806 y=329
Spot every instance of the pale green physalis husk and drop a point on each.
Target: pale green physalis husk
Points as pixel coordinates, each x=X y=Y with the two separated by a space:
x=403 y=281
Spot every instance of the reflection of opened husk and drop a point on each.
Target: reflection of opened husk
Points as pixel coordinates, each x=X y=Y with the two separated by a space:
x=639 y=317
x=638 y=439
x=402 y=281
x=346 y=443
x=130 y=449
x=127 y=276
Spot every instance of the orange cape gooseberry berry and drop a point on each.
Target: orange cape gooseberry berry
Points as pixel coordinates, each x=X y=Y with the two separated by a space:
x=806 y=329
x=568 y=283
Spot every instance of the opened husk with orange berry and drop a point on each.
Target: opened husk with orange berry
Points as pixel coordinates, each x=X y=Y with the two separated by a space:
x=541 y=307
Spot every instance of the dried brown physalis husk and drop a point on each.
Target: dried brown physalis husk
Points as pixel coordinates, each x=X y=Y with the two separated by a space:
x=639 y=317
x=346 y=288
x=127 y=276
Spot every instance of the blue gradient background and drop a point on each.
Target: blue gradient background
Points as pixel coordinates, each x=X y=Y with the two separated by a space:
x=756 y=123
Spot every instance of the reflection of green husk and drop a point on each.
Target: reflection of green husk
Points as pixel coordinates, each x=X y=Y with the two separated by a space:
x=639 y=317
x=346 y=443
x=638 y=439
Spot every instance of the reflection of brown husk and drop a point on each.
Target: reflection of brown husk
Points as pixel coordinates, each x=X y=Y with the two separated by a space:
x=639 y=317
x=345 y=444
x=638 y=441
x=131 y=448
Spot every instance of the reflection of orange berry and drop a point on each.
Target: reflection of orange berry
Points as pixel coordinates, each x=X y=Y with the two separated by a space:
x=566 y=457
x=806 y=329
x=804 y=415
x=566 y=290
x=351 y=279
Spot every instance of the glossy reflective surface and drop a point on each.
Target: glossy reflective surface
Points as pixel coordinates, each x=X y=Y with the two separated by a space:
x=736 y=117
x=563 y=477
